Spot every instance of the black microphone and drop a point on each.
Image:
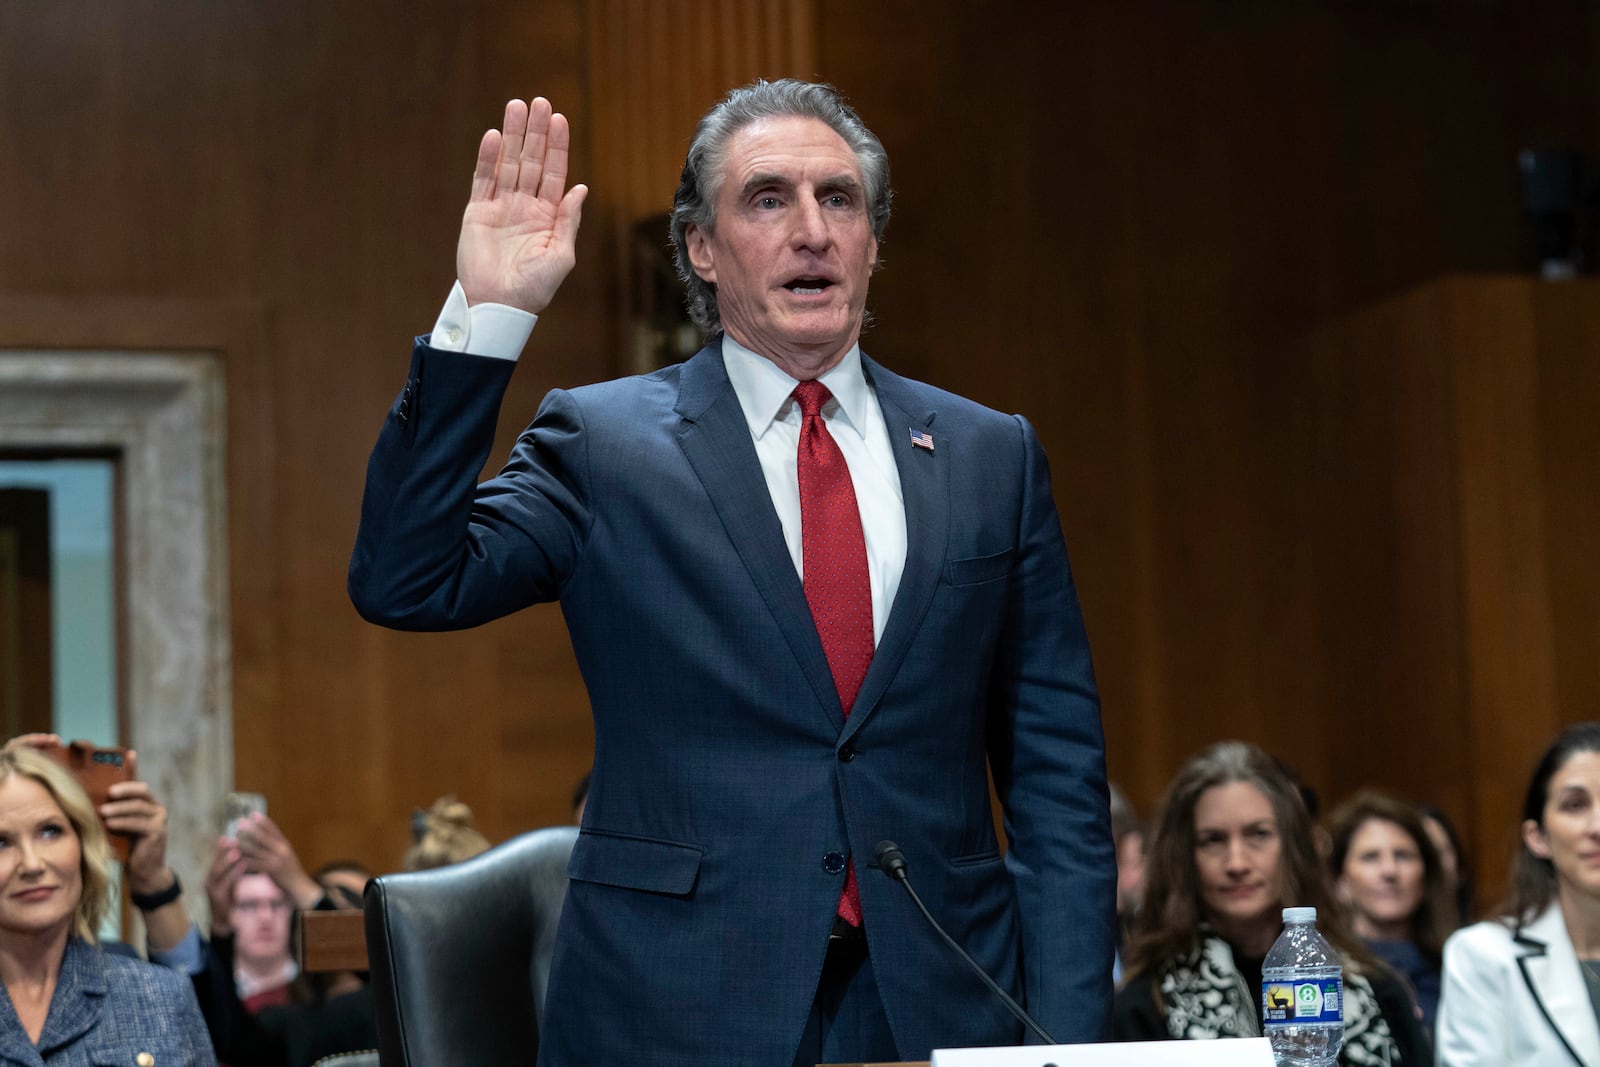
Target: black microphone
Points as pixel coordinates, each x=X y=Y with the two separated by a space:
x=893 y=863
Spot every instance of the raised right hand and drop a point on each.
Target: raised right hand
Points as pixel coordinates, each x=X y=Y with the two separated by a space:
x=521 y=223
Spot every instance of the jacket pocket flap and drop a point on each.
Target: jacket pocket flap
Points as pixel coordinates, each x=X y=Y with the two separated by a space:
x=979 y=569
x=634 y=863
x=123 y=1052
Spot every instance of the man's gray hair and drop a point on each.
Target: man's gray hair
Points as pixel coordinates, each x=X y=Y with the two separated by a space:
x=696 y=200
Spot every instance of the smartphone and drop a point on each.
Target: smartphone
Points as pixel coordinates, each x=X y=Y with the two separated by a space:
x=235 y=806
x=96 y=768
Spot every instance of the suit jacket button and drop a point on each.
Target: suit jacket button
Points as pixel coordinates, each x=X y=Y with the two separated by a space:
x=833 y=862
x=847 y=753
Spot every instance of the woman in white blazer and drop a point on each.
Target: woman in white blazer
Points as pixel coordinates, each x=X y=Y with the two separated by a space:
x=1523 y=988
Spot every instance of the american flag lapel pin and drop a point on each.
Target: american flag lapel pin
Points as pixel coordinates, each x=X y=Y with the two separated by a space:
x=921 y=440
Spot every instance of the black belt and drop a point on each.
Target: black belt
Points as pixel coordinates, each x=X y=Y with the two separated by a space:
x=843 y=931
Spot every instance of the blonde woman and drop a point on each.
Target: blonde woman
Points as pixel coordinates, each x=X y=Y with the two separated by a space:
x=67 y=1003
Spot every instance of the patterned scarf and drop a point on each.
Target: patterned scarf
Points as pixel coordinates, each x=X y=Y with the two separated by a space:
x=1204 y=998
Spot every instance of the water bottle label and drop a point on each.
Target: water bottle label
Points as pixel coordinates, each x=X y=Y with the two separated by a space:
x=1317 y=1000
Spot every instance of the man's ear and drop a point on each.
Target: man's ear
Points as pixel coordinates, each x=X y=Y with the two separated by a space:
x=1533 y=836
x=700 y=257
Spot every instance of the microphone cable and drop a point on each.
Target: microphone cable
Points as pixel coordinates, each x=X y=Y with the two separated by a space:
x=893 y=864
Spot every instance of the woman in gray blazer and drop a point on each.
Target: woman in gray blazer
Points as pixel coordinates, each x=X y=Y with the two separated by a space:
x=1525 y=988
x=65 y=1002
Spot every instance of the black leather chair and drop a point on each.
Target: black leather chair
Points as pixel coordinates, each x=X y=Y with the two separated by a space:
x=460 y=955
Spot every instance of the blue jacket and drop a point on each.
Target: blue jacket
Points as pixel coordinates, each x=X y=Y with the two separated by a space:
x=728 y=786
x=108 y=1009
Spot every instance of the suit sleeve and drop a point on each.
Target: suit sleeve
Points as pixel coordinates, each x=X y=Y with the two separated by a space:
x=1047 y=755
x=1472 y=1020
x=437 y=551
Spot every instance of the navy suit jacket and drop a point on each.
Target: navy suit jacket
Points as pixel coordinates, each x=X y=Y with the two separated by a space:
x=108 y=1009
x=728 y=785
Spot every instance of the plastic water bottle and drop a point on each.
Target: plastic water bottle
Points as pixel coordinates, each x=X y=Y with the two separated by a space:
x=1302 y=994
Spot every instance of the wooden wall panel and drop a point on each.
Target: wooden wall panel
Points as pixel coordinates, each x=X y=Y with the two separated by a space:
x=1454 y=517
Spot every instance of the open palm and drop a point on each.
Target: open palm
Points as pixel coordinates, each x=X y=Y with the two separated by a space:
x=521 y=224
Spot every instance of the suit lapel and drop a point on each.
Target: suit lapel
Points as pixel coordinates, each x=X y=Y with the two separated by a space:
x=1551 y=970
x=79 y=996
x=925 y=487
x=716 y=441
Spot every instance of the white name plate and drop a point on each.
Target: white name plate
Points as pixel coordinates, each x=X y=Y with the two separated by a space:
x=1248 y=1052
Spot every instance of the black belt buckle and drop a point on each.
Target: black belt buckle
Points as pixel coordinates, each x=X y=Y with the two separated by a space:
x=843 y=931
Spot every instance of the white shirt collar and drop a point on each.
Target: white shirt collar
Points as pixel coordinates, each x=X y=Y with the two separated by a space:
x=764 y=390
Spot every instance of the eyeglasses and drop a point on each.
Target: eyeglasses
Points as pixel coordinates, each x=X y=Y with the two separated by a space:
x=251 y=907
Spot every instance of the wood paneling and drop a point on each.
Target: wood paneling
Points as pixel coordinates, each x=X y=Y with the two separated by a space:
x=1120 y=218
x=1453 y=512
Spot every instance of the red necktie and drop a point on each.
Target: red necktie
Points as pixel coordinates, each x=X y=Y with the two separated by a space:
x=834 y=555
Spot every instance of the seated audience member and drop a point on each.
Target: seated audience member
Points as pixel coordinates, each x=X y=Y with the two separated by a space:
x=1388 y=877
x=263 y=955
x=1523 y=988
x=1452 y=861
x=1128 y=833
x=132 y=810
x=443 y=835
x=1231 y=847
x=66 y=1000
x=315 y=1020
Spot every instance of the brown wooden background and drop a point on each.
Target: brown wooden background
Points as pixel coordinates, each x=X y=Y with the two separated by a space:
x=1147 y=224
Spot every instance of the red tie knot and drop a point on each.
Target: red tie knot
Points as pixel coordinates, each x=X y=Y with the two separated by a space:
x=811 y=396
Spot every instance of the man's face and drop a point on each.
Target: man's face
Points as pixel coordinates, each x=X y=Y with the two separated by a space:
x=792 y=248
x=261 y=921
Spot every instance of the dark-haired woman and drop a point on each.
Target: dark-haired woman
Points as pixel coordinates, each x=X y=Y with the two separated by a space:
x=1389 y=878
x=1232 y=847
x=1525 y=988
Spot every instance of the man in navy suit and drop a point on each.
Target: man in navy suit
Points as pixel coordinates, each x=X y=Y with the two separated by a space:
x=813 y=601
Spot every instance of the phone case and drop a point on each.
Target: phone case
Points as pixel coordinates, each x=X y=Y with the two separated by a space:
x=96 y=769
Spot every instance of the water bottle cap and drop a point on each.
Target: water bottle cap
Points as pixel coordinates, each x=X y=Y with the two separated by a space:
x=1299 y=915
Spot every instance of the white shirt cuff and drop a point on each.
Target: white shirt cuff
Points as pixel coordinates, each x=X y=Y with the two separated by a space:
x=495 y=330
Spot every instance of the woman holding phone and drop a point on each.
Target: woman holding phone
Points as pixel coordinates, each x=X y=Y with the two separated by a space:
x=66 y=1002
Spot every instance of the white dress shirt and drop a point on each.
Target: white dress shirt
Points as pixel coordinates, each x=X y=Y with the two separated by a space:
x=853 y=416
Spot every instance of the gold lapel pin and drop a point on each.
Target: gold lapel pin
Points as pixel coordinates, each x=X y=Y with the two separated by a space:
x=144 y=1059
